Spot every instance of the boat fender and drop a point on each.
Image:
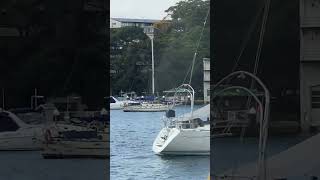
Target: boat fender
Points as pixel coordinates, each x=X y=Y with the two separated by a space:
x=170 y=113
x=48 y=136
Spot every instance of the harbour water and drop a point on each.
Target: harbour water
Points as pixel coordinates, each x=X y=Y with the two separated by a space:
x=232 y=153
x=29 y=165
x=132 y=135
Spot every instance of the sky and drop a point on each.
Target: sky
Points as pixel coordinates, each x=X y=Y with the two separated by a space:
x=146 y=9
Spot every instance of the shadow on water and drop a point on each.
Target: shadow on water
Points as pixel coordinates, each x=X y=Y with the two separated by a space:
x=229 y=153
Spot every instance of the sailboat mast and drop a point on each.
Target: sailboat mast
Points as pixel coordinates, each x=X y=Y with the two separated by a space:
x=152 y=65
x=149 y=31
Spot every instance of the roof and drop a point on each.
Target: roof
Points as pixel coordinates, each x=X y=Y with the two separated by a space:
x=136 y=20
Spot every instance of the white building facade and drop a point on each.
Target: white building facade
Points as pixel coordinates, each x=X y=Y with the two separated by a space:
x=124 y=22
x=206 y=80
x=310 y=64
x=114 y=23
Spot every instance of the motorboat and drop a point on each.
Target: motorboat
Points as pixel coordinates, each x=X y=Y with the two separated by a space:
x=26 y=129
x=116 y=104
x=15 y=134
x=187 y=134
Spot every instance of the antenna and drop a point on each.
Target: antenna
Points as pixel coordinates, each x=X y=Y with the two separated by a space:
x=3 y=100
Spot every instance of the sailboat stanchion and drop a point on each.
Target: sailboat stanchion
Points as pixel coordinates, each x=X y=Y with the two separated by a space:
x=195 y=124
x=264 y=122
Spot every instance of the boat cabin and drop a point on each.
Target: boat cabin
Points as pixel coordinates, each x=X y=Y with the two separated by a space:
x=9 y=122
x=191 y=124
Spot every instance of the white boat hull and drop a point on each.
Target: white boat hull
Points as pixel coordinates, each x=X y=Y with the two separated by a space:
x=116 y=106
x=182 y=142
x=146 y=108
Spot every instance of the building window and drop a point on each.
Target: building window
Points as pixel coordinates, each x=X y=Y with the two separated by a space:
x=208 y=92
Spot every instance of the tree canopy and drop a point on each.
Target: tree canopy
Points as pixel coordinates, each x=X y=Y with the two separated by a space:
x=174 y=48
x=60 y=49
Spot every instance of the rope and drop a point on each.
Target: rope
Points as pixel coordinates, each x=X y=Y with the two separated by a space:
x=198 y=44
x=248 y=37
x=261 y=38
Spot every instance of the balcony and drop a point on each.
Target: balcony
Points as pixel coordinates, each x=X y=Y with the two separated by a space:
x=206 y=77
x=311 y=55
x=310 y=13
x=206 y=64
x=310 y=49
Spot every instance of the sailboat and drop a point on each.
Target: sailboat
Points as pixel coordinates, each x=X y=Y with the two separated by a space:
x=187 y=134
x=149 y=106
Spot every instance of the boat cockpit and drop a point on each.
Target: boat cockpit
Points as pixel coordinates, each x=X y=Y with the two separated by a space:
x=7 y=124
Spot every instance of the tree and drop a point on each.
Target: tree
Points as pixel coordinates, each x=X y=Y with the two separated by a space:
x=174 y=49
x=178 y=46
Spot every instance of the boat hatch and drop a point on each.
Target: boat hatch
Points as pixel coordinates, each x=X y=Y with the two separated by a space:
x=6 y=123
x=191 y=124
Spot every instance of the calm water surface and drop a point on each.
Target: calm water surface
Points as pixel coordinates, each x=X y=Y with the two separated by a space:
x=132 y=136
x=29 y=165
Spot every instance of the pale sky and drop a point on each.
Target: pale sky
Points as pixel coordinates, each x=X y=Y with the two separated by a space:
x=147 y=9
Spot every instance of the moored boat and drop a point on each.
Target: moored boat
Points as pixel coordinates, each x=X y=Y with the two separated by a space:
x=187 y=134
x=77 y=144
x=147 y=107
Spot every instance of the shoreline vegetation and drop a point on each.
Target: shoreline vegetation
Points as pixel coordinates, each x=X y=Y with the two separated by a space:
x=174 y=45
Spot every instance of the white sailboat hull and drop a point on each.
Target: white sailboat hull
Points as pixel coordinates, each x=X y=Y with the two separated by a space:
x=183 y=142
x=146 y=108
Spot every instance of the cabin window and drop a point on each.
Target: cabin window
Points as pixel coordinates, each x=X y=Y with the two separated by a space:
x=112 y=100
x=7 y=124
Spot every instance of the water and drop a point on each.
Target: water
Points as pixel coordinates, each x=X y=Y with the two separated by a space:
x=29 y=165
x=230 y=153
x=132 y=136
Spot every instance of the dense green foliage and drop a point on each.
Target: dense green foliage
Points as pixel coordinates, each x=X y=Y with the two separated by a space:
x=60 y=49
x=173 y=51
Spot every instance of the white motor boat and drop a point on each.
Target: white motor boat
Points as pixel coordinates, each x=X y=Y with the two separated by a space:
x=115 y=104
x=188 y=134
x=17 y=135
